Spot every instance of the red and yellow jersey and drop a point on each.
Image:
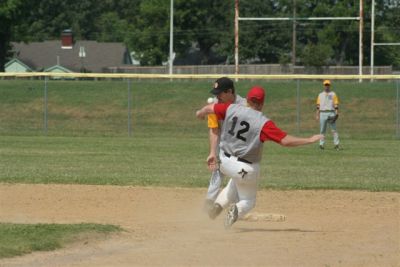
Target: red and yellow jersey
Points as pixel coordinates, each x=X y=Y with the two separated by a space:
x=212 y=121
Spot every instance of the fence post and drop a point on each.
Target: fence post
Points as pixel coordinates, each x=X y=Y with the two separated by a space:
x=129 y=109
x=398 y=111
x=45 y=106
x=298 y=106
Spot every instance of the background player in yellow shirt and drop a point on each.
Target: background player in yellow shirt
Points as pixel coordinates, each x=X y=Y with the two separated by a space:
x=328 y=113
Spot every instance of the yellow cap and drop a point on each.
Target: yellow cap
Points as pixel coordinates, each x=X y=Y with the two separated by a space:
x=327 y=82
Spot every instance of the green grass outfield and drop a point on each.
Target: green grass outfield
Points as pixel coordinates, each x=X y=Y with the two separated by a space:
x=87 y=141
x=166 y=161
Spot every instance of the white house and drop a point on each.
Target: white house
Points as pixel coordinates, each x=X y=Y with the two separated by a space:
x=16 y=65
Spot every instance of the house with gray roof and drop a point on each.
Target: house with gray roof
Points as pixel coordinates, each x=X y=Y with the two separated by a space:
x=67 y=55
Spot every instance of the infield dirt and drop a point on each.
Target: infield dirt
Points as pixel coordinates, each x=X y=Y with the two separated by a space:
x=167 y=227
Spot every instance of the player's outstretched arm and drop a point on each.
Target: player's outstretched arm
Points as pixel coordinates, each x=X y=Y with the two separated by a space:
x=208 y=109
x=291 y=141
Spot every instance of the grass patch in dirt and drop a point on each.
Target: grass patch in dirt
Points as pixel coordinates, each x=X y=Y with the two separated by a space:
x=20 y=239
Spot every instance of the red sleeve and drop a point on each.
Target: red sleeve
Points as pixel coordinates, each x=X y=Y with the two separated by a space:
x=220 y=110
x=271 y=132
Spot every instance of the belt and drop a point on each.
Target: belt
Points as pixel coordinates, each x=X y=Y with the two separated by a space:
x=327 y=111
x=239 y=159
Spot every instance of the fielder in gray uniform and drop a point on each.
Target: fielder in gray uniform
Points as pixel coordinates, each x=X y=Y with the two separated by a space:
x=224 y=92
x=243 y=133
x=328 y=113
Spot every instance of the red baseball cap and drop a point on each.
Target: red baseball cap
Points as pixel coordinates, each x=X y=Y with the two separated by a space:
x=256 y=94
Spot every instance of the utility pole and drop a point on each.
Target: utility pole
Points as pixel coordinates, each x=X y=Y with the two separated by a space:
x=294 y=35
x=171 y=38
x=360 y=49
x=371 y=71
x=236 y=37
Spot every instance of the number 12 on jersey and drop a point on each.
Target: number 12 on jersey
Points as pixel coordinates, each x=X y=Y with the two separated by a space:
x=239 y=134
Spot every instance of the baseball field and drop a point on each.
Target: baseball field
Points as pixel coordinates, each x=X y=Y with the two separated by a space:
x=81 y=192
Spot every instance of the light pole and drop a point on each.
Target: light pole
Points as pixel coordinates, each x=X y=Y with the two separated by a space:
x=171 y=38
x=236 y=37
x=371 y=69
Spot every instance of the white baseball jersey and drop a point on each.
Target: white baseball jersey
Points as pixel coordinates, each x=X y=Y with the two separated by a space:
x=241 y=130
x=327 y=101
x=240 y=100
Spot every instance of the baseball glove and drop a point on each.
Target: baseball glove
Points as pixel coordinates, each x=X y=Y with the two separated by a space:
x=333 y=118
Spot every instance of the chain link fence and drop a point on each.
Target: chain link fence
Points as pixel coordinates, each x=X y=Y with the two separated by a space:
x=128 y=106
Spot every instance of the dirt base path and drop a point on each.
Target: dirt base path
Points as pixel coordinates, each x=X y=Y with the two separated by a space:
x=166 y=227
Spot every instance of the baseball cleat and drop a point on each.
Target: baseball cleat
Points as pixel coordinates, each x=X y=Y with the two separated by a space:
x=208 y=205
x=337 y=147
x=215 y=211
x=321 y=147
x=231 y=216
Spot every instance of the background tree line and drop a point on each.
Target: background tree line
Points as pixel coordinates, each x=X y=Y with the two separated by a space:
x=204 y=30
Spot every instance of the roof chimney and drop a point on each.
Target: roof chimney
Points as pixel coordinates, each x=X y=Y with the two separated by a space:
x=67 y=39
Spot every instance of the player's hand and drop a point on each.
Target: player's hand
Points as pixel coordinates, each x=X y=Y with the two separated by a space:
x=212 y=163
x=316 y=138
x=200 y=115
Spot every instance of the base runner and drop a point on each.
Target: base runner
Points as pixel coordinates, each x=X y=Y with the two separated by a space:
x=243 y=133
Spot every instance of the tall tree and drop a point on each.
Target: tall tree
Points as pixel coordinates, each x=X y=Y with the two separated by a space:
x=265 y=41
x=111 y=28
x=9 y=16
x=50 y=17
x=341 y=36
x=206 y=26
x=149 y=35
x=387 y=30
